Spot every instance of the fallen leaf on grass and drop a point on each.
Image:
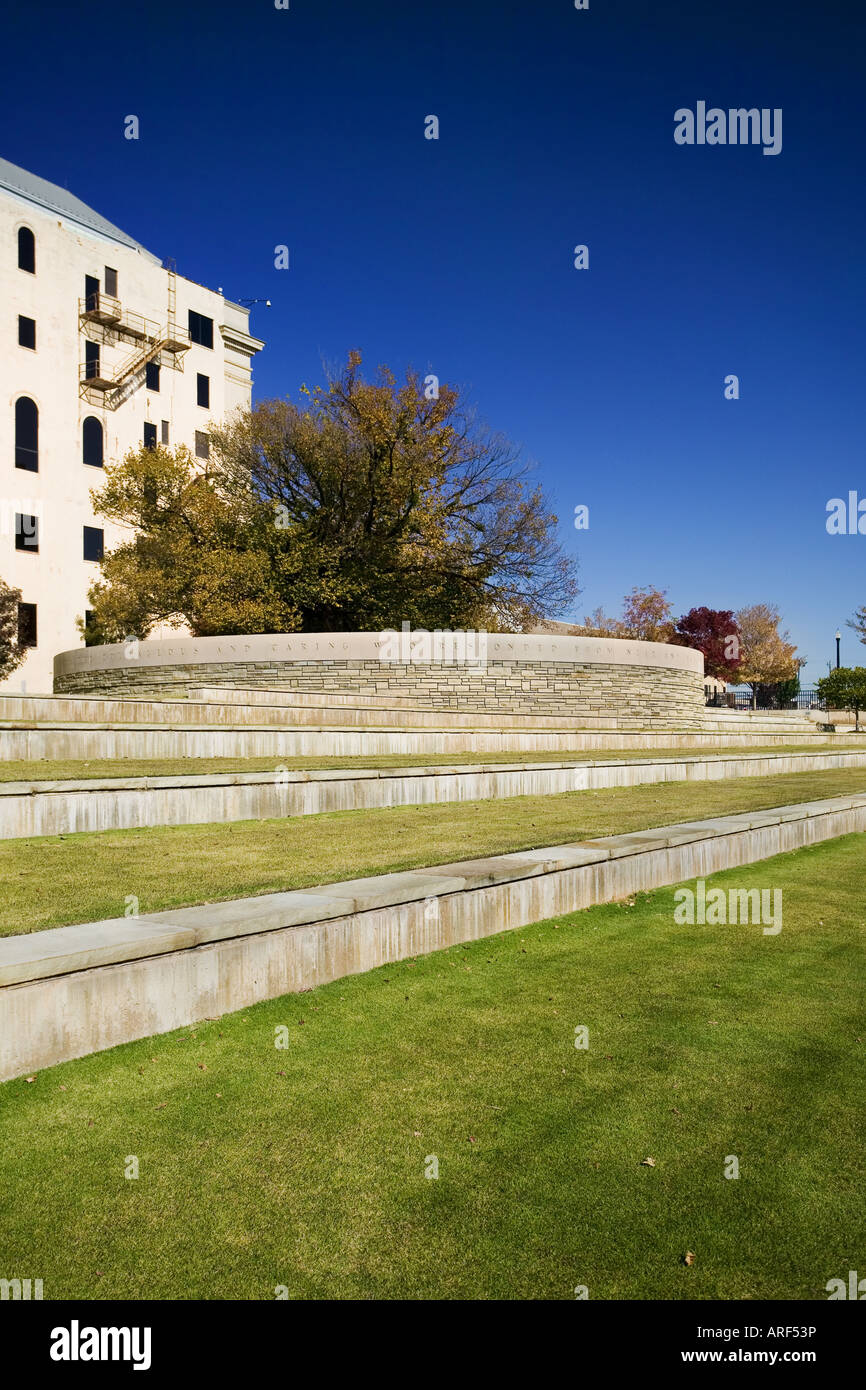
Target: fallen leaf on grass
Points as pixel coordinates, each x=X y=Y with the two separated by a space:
x=689 y=1257
x=647 y=1163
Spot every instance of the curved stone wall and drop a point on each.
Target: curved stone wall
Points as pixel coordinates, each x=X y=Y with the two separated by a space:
x=647 y=683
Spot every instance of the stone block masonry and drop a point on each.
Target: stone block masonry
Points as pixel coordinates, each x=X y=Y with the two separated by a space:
x=645 y=695
x=645 y=684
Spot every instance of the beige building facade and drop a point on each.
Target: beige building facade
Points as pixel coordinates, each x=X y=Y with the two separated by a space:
x=104 y=349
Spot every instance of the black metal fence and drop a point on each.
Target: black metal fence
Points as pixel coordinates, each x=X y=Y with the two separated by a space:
x=743 y=699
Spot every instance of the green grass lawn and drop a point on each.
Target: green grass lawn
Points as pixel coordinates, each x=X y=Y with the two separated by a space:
x=52 y=880
x=306 y=1167
x=57 y=770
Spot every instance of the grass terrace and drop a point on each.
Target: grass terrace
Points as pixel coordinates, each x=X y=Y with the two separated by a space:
x=55 y=880
x=305 y=1167
x=51 y=770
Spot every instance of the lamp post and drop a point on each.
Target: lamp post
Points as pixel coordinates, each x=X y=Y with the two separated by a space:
x=838 y=640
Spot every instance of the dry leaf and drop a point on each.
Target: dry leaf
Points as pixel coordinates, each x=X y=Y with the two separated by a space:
x=689 y=1257
x=29 y=1079
x=647 y=1163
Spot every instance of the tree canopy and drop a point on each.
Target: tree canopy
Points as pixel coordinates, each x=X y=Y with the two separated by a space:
x=845 y=688
x=716 y=633
x=366 y=505
x=11 y=655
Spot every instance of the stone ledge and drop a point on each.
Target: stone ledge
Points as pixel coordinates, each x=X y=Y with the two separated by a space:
x=292 y=776
x=128 y=803
x=62 y=950
x=232 y=955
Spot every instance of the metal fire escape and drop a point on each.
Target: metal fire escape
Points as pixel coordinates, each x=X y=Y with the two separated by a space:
x=105 y=317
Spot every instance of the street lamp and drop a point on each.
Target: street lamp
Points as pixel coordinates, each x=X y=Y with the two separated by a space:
x=248 y=303
x=838 y=640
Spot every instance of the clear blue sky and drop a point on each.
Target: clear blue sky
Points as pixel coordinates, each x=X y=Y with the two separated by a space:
x=306 y=127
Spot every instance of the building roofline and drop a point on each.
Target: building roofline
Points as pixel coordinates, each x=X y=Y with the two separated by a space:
x=20 y=183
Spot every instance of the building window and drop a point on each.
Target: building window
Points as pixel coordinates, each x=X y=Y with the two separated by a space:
x=202 y=388
x=26 y=332
x=200 y=329
x=26 y=250
x=92 y=442
x=165 y=432
x=150 y=436
x=26 y=434
x=27 y=624
x=91 y=360
x=93 y=542
x=91 y=292
x=26 y=532
x=151 y=376
x=202 y=445
x=111 y=282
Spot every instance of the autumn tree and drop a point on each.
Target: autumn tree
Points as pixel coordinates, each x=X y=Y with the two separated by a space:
x=713 y=631
x=11 y=655
x=646 y=616
x=769 y=656
x=365 y=505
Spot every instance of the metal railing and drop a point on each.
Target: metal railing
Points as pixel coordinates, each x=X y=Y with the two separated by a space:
x=100 y=308
x=743 y=699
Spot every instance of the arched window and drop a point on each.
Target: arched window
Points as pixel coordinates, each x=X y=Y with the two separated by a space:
x=26 y=250
x=26 y=434
x=91 y=442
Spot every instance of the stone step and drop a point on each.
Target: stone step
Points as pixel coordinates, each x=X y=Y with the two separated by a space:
x=70 y=991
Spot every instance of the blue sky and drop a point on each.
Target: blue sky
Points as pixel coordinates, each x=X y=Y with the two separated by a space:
x=306 y=127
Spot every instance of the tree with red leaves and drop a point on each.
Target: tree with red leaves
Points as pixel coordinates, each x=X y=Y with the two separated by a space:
x=716 y=633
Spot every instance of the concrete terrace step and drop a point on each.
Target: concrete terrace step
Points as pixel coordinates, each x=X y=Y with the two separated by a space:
x=278 y=709
x=67 y=807
x=88 y=741
x=73 y=990
x=59 y=950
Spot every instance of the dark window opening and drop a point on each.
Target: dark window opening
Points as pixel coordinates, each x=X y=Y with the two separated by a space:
x=26 y=532
x=26 y=250
x=91 y=292
x=150 y=436
x=93 y=542
x=27 y=624
x=151 y=376
x=111 y=282
x=165 y=432
x=203 y=390
x=91 y=360
x=200 y=329
x=202 y=445
x=26 y=434
x=92 y=442
x=26 y=332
